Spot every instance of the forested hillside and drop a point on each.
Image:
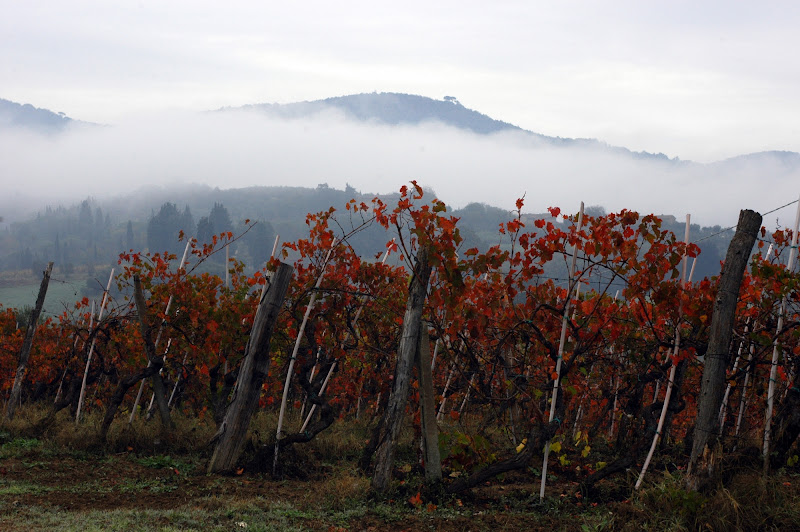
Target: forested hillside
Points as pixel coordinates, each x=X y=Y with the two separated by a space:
x=83 y=236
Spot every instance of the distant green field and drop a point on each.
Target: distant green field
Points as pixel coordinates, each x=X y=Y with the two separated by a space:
x=58 y=294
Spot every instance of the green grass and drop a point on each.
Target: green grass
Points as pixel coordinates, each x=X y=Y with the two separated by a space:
x=248 y=518
x=11 y=487
x=18 y=447
x=154 y=485
x=165 y=462
x=58 y=295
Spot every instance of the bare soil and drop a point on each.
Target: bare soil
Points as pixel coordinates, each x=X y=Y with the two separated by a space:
x=128 y=482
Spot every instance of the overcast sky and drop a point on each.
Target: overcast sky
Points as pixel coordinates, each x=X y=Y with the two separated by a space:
x=700 y=80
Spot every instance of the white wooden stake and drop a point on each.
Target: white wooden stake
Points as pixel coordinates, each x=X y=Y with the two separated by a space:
x=177 y=381
x=227 y=263
x=562 y=340
x=300 y=331
x=271 y=255
x=614 y=380
x=311 y=379
x=743 y=398
x=435 y=352
x=466 y=395
x=671 y=380
x=773 y=372
x=321 y=391
x=444 y=393
x=91 y=348
x=355 y=323
x=723 y=409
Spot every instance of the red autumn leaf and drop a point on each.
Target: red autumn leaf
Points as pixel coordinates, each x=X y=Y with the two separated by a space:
x=416 y=500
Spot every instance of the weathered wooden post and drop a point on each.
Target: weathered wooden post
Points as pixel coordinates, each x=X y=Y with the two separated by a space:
x=25 y=352
x=717 y=354
x=430 y=429
x=409 y=341
x=230 y=437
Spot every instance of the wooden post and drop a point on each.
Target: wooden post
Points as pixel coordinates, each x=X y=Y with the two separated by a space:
x=430 y=430
x=722 y=319
x=395 y=409
x=27 y=343
x=230 y=437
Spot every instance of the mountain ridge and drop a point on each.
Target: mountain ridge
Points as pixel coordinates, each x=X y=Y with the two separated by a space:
x=26 y=116
x=393 y=108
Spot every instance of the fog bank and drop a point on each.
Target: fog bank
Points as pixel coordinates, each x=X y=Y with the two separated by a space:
x=237 y=149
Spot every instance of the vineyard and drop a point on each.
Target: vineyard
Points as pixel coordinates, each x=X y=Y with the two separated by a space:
x=569 y=360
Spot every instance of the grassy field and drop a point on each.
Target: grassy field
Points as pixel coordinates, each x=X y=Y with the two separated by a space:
x=58 y=294
x=65 y=481
x=19 y=289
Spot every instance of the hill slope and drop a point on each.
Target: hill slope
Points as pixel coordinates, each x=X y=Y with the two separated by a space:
x=392 y=108
x=26 y=116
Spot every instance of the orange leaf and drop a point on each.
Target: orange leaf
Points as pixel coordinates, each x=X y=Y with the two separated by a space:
x=416 y=500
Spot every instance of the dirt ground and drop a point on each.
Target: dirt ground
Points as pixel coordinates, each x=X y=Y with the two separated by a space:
x=73 y=487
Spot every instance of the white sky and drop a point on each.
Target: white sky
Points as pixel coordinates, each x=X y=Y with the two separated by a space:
x=701 y=80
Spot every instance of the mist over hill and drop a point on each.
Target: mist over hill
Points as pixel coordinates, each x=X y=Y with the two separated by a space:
x=373 y=143
x=394 y=109
x=15 y=116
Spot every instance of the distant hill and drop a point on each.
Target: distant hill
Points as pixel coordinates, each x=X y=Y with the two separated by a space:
x=780 y=160
x=26 y=116
x=393 y=108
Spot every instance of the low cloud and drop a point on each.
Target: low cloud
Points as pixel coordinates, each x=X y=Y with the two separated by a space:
x=237 y=149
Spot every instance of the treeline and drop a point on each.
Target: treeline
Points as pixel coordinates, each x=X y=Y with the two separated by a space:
x=83 y=236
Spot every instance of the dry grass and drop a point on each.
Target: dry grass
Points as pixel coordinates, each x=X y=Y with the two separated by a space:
x=747 y=502
x=335 y=493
